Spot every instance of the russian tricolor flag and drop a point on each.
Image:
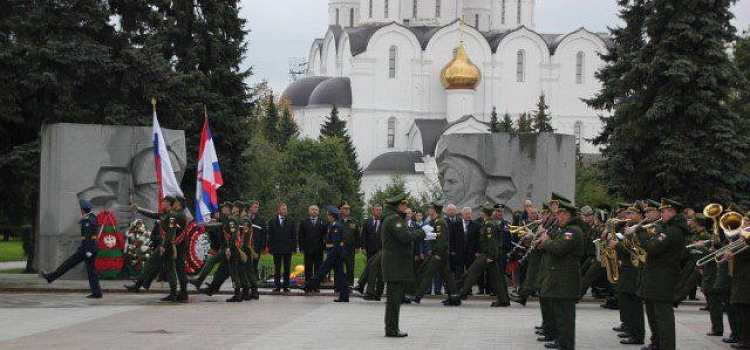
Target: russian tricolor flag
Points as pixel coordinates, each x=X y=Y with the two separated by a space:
x=166 y=182
x=209 y=177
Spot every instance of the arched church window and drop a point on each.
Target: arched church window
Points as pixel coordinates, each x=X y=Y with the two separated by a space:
x=385 y=9
x=391 y=132
x=502 y=13
x=580 y=58
x=369 y=12
x=351 y=17
x=437 y=8
x=414 y=9
x=577 y=131
x=521 y=66
x=337 y=16
x=476 y=21
x=392 y=62
x=518 y=11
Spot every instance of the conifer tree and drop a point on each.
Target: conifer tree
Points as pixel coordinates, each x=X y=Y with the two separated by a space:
x=288 y=127
x=541 y=116
x=524 y=123
x=494 y=122
x=507 y=124
x=335 y=127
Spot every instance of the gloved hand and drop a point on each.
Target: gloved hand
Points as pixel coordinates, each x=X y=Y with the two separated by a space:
x=430 y=236
x=428 y=229
x=89 y=254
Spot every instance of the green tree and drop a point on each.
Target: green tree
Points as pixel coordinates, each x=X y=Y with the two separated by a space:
x=494 y=122
x=673 y=133
x=288 y=127
x=262 y=163
x=541 y=117
x=396 y=186
x=272 y=122
x=740 y=98
x=507 y=124
x=336 y=128
x=524 y=123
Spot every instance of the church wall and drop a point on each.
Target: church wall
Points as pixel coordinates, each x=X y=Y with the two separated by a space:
x=511 y=95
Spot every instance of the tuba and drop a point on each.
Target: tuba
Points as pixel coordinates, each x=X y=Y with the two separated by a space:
x=713 y=211
x=732 y=224
x=609 y=255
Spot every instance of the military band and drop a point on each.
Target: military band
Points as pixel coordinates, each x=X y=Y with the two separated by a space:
x=652 y=253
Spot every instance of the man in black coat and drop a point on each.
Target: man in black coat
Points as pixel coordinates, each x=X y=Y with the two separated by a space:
x=282 y=244
x=371 y=232
x=311 y=236
x=464 y=242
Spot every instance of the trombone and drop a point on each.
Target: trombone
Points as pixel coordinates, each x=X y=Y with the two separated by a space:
x=520 y=230
x=732 y=223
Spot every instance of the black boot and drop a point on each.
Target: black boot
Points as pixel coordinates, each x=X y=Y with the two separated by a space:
x=416 y=299
x=45 y=275
x=135 y=287
x=453 y=300
x=246 y=294
x=206 y=291
x=254 y=294
x=237 y=298
x=170 y=298
x=196 y=283
x=182 y=297
x=519 y=299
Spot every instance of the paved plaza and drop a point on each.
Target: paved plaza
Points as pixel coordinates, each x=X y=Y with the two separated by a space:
x=140 y=321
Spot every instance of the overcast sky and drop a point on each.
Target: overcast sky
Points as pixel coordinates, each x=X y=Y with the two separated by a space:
x=280 y=29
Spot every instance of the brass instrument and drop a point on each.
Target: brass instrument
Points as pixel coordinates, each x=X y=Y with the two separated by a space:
x=609 y=255
x=732 y=224
x=521 y=230
x=713 y=211
x=698 y=244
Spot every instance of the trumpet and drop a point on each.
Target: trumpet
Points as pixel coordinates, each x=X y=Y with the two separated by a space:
x=519 y=230
x=732 y=223
x=713 y=211
x=698 y=244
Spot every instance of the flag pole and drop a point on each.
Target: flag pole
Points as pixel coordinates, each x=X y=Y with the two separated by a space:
x=205 y=111
x=159 y=194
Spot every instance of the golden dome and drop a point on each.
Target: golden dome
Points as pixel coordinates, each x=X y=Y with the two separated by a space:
x=460 y=73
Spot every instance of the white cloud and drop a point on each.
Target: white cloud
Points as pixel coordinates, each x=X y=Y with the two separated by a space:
x=281 y=29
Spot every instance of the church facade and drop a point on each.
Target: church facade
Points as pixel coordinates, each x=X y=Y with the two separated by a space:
x=383 y=64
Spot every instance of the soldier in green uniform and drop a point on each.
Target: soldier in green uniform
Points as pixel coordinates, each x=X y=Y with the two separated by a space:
x=490 y=246
x=689 y=275
x=168 y=250
x=530 y=283
x=155 y=263
x=371 y=280
x=561 y=285
x=716 y=286
x=352 y=240
x=739 y=269
x=631 y=307
x=661 y=273
x=437 y=261
x=234 y=253
x=217 y=244
x=182 y=244
x=591 y=268
x=397 y=259
x=246 y=266
x=551 y=228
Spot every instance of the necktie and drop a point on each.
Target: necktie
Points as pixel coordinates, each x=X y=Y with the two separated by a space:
x=377 y=224
x=314 y=221
x=281 y=222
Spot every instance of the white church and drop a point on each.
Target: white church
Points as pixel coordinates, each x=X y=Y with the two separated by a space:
x=404 y=72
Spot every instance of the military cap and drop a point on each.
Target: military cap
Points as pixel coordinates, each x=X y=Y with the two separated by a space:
x=85 y=205
x=652 y=205
x=487 y=208
x=667 y=203
x=335 y=212
x=570 y=208
x=237 y=204
x=344 y=205
x=180 y=199
x=228 y=204
x=623 y=206
x=545 y=206
x=559 y=198
x=437 y=205
x=169 y=199
x=604 y=207
x=499 y=206
x=586 y=210
x=636 y=208
x=735 y=207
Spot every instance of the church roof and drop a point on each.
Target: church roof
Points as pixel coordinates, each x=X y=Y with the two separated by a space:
x=298 y=93
x=359 y=37
x=333 y=91
x=395 y=162
x=430 y=130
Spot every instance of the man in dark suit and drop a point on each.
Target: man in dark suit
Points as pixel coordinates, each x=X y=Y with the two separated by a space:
x=260 y=237
x=371 y=232
x=464 y=240
x=281 y=242
x=311 y=236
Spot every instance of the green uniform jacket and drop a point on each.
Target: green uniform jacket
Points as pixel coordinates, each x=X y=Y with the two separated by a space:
x=741 y=278
x=564 y=252
x=661 y=275
x=440 y=245
x=543 y=272
x=490 y=240
x=589 y=235
x=398 y=256
x=629 y=274
x=352 y=238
